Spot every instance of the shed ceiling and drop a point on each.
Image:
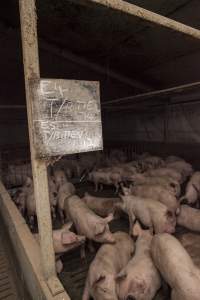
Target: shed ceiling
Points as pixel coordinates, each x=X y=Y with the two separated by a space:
x=150 y=54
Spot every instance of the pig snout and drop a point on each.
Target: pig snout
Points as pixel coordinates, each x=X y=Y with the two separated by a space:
x=130 y=297
x=70 y=238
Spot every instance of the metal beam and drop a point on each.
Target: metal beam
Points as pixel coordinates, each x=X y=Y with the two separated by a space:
x=137 y=11
x=164 y=92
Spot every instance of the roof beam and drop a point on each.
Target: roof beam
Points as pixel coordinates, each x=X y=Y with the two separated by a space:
x=147 y=15
x=164 y=92
x=68 y=55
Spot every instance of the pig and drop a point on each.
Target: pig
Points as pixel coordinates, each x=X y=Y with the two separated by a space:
x=166 y=172
x=153 y=214
x=158 y=193
x=105 y=177
x=172 y=159
x=139 y=279
x=21 y=195
x=65 y=190
x=168 y=183
x=86 y=222
x=59 y=177
x=184 y=168
x=176 y=267
x=64 y=240
x=189 y=218
x=153 y=162
x=192 y=192
x=108 y=262
x=17 y=174
x=191 y=242
x=101 y=206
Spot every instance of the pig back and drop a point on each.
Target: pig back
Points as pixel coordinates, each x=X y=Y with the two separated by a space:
x=114 y=257
x=173 y=261
x=189 y=218
x=85 y=220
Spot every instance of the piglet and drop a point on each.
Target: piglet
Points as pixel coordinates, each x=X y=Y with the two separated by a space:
x=139 y=279
x=176 y=267
x=87 y=223
x=151 y=213
x=189 y=218
x=64 y=240
x=108 y=262
x=101 y=206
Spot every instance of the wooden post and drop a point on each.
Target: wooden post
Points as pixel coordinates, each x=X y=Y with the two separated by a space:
x=39 y=169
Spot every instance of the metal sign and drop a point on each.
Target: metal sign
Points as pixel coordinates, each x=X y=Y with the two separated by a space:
x=67 y=117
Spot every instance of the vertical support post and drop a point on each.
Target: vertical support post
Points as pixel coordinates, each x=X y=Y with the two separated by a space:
x=31 y=71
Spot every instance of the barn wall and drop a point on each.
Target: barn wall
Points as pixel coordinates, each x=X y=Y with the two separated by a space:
x=13 y=123
x=175 y=124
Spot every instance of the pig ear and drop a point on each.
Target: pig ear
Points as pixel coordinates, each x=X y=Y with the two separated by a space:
x=109 y=218
x=137 y=229
x=99 y=229
x=121 y=276
x=99 y=278
x=67 y=226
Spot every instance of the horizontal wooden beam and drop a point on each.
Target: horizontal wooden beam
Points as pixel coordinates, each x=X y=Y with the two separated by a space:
x=164 y=92
x=147 y=15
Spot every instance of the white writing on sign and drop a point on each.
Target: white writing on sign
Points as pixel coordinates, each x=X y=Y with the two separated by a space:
x=60 y=102
x=67 y=116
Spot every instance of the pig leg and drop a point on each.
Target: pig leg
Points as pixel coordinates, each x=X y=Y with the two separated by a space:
x=132 y=219
x=91 y=246
x=101 y=187
x=61 y=213
x=83 y=255
x=116 y=188
x=86 y=293
x=96 y=186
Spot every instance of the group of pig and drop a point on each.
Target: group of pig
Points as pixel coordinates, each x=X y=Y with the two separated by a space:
x=150 y=195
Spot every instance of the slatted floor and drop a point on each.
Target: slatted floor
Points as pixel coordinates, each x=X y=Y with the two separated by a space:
x=8 y=289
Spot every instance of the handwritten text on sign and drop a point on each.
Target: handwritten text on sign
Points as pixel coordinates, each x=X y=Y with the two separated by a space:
x=67 y=116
